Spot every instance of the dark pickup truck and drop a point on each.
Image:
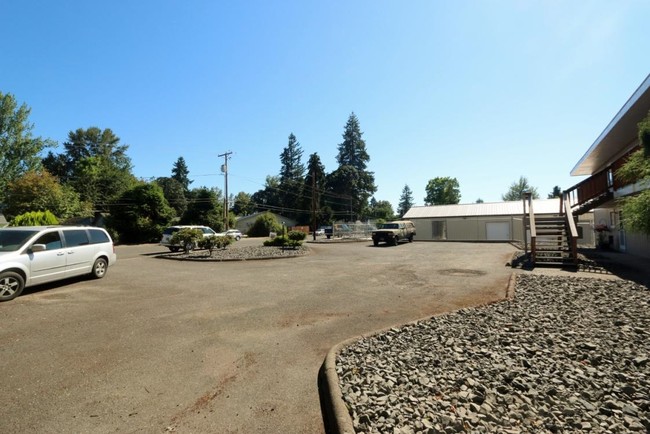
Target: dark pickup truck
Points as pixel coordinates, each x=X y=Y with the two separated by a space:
x=394 y=232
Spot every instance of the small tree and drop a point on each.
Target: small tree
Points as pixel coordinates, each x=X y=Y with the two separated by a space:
x=187 y=238
x=38 y=190
x=35 y=218
x=264 y=224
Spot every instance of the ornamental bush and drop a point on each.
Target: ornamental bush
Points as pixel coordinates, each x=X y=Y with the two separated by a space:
x=215 y=242
x=187 y=238
x=286 y=241
x=296 y=235
x=35 y=218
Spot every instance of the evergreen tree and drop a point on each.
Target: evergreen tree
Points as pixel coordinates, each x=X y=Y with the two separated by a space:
x=557 y=192
x=180 y=173
x=315 y=183
x=517 y=190
x=291 y=178
x=405 y=201
x=351 y=183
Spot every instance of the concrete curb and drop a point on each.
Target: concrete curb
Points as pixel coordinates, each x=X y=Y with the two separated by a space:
x=336 y=417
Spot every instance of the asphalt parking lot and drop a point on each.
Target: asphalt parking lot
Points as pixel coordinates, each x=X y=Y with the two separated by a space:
x=224 y=347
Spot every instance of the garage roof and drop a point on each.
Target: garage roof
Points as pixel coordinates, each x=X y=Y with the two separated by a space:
x=619 y=134
x=540 y=206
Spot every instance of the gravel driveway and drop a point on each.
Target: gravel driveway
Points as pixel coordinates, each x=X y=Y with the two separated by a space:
x=227 y=347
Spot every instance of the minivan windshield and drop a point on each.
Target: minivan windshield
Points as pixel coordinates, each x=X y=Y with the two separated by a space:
x=389 y=226
x=10 y=241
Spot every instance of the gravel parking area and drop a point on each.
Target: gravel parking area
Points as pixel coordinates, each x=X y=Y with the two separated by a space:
x=567 y=354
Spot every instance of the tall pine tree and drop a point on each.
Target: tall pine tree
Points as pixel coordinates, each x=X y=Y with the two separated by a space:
x=351 y=183
x=315 y=184
x=405 y=201
x=291 y=178
x=180 y=173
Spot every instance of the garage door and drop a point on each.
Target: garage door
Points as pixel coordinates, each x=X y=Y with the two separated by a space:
x=498 y=231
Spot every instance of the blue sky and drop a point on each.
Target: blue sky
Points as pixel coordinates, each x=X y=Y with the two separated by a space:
x=483 y=91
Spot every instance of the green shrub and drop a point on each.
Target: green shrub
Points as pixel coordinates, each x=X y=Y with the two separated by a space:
x=187 y=238
x=264 y=224
x=215 y=242
x=284 y=241
x=35 y=218
x=296 y=235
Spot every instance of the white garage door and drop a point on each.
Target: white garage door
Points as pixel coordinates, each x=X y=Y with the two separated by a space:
x=498 y=231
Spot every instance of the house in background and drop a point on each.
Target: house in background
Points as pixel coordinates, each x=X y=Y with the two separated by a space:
x=601 y=191
x=244 y=223
x=497 y=221
x=3 y=221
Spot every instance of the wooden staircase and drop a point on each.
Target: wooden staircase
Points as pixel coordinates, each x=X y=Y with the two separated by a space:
x=553 y=238
x=553 y=247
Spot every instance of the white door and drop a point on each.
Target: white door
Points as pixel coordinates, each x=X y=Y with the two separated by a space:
x=79 y=252
x=47 y=265
x=497 y=231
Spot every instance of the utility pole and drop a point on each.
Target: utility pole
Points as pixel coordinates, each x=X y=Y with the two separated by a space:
x=224 y=170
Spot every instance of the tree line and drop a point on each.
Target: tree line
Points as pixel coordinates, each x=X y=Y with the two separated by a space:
x=93 y=176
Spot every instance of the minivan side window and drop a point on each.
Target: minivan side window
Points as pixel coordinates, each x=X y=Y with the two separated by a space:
x=97 y=236
x=75 y=237
x=52 y=241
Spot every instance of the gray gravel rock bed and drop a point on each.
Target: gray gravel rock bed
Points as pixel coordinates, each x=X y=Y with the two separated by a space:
x=565 y=355
x=239 y=253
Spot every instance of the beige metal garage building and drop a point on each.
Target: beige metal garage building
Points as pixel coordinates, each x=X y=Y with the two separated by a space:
x=497 y=221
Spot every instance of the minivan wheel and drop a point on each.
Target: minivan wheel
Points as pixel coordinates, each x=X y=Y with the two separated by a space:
x=11 y=285
x=99 y=268
x=174 y=249
x=395 y=240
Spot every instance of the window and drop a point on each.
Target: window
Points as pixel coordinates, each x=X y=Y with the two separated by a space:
x=13 y=240
x=97 y=236
x=52 y=241
x=75 y=237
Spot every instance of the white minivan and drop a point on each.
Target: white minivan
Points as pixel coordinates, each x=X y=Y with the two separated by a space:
x=31 y=255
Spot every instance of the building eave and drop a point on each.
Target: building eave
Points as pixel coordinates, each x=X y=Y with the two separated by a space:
x=619 y=135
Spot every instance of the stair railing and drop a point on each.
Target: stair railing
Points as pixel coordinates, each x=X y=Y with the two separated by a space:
x=570 y=223
x=530 y=217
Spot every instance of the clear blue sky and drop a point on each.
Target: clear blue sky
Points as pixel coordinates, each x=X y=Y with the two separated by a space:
x=484 y=91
